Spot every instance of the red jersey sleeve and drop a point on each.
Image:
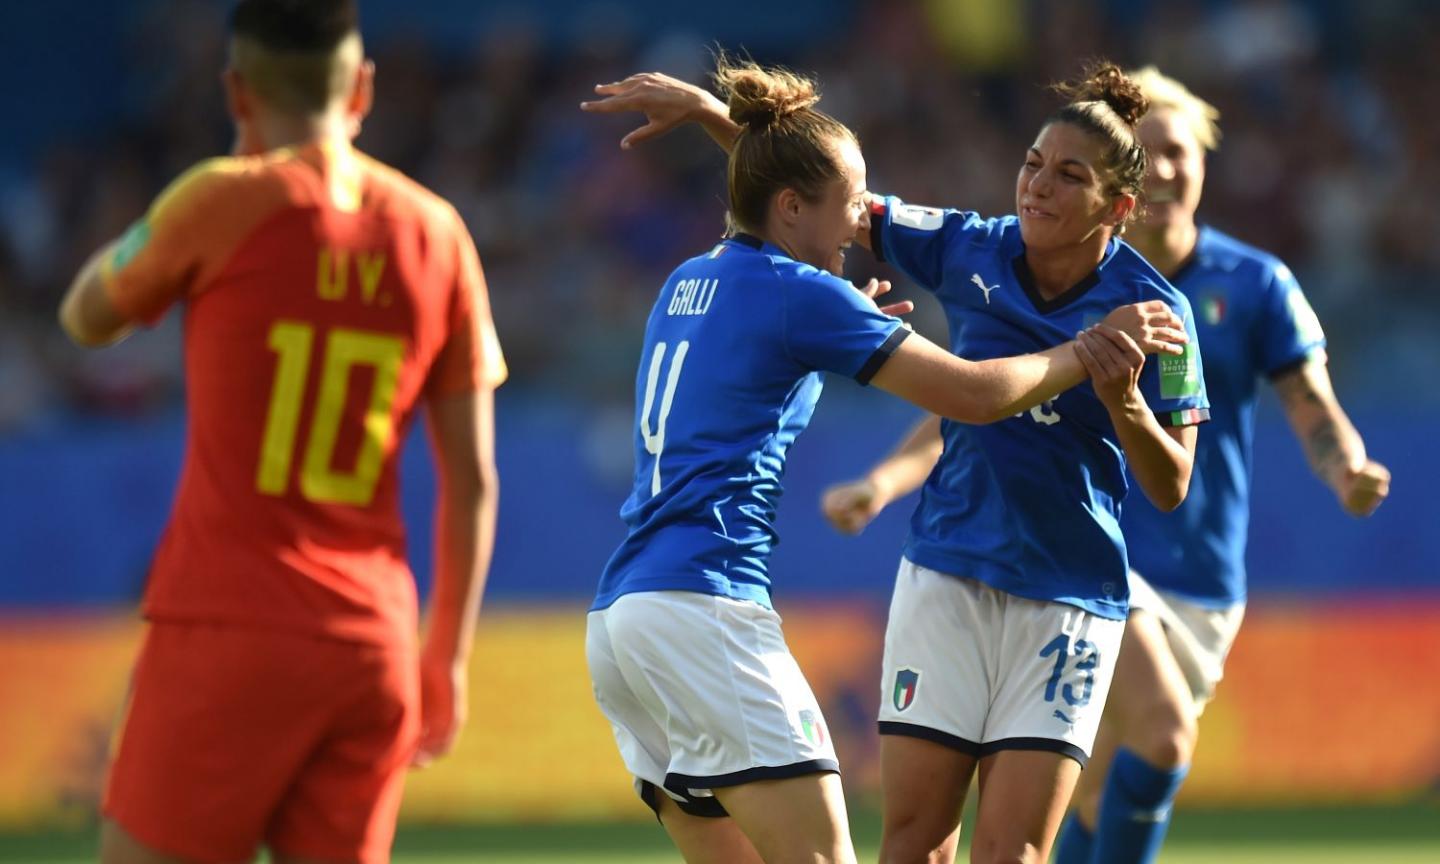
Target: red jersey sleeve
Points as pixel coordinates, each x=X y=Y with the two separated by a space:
x=182 y=240
x=471 y=358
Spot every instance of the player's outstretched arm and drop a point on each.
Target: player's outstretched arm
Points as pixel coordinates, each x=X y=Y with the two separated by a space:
x=666 y=103
x=1161 y=458
x=462 y=430
x=852 y=505
x=987 y=391
x=87 y=314
x=1333 y=447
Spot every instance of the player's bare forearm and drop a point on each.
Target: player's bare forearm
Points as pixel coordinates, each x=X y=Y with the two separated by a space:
x=1332 y=445
x=851 y=505
x=1161 y=458
x=462 y=430
x=907 y=466
x=666 y=103
x=87 y=314
x=1017 y=384
x=987 y=391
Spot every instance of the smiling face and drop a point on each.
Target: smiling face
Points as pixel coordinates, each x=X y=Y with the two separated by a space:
x=823 y=229
x=1061 y=195
x=1177 y=169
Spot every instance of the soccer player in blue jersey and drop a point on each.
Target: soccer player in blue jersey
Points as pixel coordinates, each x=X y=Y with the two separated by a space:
x=711 y=714
x=1011 y=598
x=1189 y=595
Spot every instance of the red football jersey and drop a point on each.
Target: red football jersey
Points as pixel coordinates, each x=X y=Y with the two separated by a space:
x=325 y=296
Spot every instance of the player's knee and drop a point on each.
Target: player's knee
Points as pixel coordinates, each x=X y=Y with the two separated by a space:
x=911 y=845
x=1004 y=854
x=1169 y=740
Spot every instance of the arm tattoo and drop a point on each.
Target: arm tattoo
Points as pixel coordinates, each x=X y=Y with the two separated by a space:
x=1322 y=444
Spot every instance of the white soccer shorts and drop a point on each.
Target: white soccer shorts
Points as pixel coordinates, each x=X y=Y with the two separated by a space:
x=981 y=671
x=702 y=693
x=1200 y=637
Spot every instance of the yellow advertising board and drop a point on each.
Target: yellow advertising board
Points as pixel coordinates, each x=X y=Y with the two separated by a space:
x=1319 y=704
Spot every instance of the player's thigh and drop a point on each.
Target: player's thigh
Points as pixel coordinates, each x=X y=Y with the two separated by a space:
x=639 y=733
x=704 y=839
x=795 y=819
x=1023 y=795
x=938 y=663
x=218 y=722
x=343 y=801
x=1056 y=665
x=1091 y=784
x=715 y=675
x=923 y=787
x=1151 y=702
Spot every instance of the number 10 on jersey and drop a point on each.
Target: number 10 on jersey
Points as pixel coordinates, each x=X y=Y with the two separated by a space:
x=292 y=341
x=655 y=442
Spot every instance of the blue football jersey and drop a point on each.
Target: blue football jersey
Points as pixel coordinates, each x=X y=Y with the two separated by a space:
x=1254 y=321
x=1031 y=505
x=729 y=376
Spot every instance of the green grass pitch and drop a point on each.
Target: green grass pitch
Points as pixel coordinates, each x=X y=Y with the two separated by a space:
x=1408 y=834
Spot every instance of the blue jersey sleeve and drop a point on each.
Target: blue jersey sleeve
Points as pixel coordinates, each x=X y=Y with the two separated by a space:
x=830 y=326
x=1287 y=331
x=917 y=239
x=1174 y=385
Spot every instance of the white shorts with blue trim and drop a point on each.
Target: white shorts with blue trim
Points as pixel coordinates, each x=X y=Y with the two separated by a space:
x=1200 y=636
x=702 y=693
x=980 y=670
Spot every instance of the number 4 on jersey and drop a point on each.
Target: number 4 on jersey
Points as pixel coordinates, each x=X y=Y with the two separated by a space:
x=655 y=442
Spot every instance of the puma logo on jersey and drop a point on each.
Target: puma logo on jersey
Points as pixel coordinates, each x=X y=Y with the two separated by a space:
x=980 y=283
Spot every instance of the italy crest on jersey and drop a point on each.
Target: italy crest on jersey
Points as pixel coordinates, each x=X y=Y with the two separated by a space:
x=1212 y=308
x=907 y=681
x=813 y=727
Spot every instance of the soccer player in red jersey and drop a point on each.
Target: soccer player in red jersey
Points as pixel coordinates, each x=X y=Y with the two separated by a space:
x=281 y=691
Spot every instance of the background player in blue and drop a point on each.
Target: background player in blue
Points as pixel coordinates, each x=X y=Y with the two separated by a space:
x=710 y=712
x=1011 y=599
x=1190 y=595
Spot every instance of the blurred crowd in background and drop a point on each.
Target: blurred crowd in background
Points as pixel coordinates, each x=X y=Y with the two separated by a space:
x=1327 y=159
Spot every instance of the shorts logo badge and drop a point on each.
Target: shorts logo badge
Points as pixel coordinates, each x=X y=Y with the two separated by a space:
x=813 y=727
x=907 y=681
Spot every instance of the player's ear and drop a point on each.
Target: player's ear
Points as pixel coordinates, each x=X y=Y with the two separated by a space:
x=238 y=100
x=362 y=94
x=1121 y=206
x=788 y=205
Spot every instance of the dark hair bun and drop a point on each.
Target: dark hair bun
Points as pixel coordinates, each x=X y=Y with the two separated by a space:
x=1103 y=81
x=759 y=97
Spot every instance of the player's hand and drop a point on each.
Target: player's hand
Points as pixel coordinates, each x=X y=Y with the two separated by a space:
x=443 y=707
x=1114 y=362
x=1364 y=489
x=851 y=506
x=879 y=288
x=666 y=103
x=1152 y=325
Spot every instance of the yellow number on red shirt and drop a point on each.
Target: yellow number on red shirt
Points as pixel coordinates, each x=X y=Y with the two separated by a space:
x=293 y=341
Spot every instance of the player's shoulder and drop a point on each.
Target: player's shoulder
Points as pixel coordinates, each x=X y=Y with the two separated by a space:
x=1219 y=252
x=396 y=194
x=1130 y=271
x=1133 y=279
x=209 y=182
x=797 y=276
x=965 y=226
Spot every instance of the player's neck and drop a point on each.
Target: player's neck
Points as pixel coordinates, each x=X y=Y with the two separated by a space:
x=1056 y=271
x=1166 y=247
x=279 y=131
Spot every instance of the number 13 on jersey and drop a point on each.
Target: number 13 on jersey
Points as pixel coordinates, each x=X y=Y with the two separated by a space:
x=655 y=442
